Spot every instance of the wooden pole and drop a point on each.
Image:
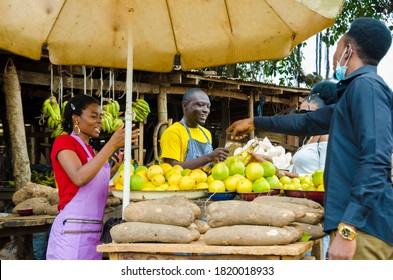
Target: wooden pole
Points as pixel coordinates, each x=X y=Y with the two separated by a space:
x=251 y=135
x=162 y=108
x=225 y=121
x=13 y=101
x=140 y=140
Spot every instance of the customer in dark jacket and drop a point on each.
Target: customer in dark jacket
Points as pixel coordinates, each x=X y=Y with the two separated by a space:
x=359 y=193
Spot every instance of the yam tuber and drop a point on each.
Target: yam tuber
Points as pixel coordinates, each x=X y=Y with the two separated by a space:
x=133 y=232
x=234 y=212
x=316 y=231
x=251 y=235
x=147 y=212
x=31 y=190
x=287 y=199
x=38 y=204
x=179 y=200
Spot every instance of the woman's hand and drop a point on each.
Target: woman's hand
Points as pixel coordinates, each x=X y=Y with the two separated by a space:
x=118 y=136
x=117 y=161
x=135 y=135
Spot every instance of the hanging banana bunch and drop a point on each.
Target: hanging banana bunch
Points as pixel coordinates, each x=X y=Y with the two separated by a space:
x=140 y=110
x=58 y=131
x=52 y=111
x=111 y=120
x=112 y=107
x=63 y=108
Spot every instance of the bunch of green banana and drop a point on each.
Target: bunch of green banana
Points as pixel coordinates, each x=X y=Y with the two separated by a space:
x=58 y=131
x=51 y=110
x=140 y=109
x=110 y=119
x=117 y=123
x=107 y=122
x=112 y=107
x=63 y=108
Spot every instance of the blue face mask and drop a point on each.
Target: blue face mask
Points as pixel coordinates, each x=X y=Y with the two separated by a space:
x=339 y=74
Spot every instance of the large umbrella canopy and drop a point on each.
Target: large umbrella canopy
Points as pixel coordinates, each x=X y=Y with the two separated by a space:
x=204 y=32
x=148 y=34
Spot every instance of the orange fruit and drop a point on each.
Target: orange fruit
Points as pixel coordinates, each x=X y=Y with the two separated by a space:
x=187 y=183
x=153 y=170
x=237 y=167
x=254 y=171
x=137 y=181
x=220 y=171
x=216 y=186
x=244 y=186
x=198 y=175
x=268 y=169
x=158 y=180
x=231 y=183
x=165 y=167
x=260 y=185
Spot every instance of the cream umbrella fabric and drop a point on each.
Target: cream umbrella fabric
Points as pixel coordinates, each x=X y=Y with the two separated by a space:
x=204 y=32
x=148 y=34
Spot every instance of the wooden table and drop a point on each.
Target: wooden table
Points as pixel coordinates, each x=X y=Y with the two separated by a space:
x=15 y=225
x=198 y=250
x=23 y=227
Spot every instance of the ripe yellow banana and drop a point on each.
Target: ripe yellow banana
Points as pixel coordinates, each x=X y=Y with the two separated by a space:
x=245 y=155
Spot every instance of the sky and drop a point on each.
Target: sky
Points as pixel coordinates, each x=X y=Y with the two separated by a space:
x=384 y=67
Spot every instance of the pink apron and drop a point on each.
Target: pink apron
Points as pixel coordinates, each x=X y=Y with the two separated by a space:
x=76 y=231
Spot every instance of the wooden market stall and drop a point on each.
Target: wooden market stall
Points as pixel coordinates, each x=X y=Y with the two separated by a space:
x=232 y=99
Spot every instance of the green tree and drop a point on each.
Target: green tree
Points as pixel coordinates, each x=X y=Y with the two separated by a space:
x=289 y=70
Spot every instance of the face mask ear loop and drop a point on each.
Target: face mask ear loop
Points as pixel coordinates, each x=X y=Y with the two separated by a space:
x=341 y=58
x=349 y=56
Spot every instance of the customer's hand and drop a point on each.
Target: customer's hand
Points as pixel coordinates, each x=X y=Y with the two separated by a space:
x=258 y=158
x=342 y=249
x=241 y=128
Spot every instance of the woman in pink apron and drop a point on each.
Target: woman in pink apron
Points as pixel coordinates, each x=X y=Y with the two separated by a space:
x=82 y=178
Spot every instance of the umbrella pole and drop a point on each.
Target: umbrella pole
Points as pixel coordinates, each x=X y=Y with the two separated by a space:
x=128 y=115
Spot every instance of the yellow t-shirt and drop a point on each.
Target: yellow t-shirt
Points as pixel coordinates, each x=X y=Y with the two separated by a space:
x=174 y=140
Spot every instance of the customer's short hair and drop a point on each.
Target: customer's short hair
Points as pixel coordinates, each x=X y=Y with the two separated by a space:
x=371 y=37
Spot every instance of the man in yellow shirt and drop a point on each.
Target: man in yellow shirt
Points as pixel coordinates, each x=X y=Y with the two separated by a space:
x=187 y=143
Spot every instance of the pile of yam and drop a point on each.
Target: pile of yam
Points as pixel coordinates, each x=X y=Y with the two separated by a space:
x=267 y=220
x=42 y=199
x=167 y=220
